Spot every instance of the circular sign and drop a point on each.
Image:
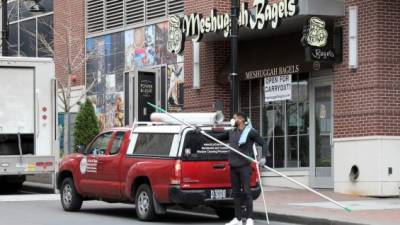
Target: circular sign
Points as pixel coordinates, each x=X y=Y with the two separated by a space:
x=316 y=66
x=83 y=165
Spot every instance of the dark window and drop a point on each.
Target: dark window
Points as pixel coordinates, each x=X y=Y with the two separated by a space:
x=13 y=40
x=117 y=142
x=45 y=36
x=27 y=40
x=24 y=9
x=12 y=9
x=153 y=144
x=199 y=147
x=47 y=5
x=99 y=146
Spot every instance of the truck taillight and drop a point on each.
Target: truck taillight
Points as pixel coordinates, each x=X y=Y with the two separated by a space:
x=176 y=179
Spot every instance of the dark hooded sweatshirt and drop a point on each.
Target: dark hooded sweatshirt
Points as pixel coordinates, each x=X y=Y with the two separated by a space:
x=236 y=160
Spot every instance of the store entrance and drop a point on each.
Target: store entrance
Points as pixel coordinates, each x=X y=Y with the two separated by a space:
x=144 y=87
x=321 y=124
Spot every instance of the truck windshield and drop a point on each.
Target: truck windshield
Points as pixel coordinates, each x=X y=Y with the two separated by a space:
x=199 y=147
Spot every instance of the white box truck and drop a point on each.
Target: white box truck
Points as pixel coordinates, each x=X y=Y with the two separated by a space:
x=28 y=137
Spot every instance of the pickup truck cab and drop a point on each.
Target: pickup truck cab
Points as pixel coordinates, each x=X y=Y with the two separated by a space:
x=154 y=166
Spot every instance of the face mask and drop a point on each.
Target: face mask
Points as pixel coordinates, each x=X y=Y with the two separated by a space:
x=233 y=122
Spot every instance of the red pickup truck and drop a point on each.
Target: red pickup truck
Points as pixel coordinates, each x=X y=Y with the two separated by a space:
x=153 y=167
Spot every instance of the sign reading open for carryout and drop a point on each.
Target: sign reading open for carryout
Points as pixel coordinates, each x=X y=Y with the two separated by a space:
x=195 y=25
x=278 y=88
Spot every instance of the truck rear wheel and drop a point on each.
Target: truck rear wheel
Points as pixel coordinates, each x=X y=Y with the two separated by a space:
x=70 y=199
x=144 y=203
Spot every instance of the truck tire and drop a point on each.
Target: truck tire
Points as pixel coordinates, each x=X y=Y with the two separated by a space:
x=225 y=213
x=70 y=199
x=16 y=187
x=144 y=203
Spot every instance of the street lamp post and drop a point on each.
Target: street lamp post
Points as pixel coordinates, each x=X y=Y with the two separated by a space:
x=4 y=28
x=234 y=78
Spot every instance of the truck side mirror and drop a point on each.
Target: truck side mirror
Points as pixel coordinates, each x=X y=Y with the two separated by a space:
x=80 y=148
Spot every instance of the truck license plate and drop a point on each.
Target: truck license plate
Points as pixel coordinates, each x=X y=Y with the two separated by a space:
x=218 y=194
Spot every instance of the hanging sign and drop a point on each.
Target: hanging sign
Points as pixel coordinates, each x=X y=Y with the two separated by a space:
x=195 y=25
x=315 y=41
x=278 y=88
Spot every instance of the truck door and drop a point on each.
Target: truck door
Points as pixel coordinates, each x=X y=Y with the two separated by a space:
x=110 y=166
x=204 y=163
x=91 y=178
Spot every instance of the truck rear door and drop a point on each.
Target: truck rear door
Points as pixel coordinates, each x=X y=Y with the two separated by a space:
x=17 y=97
x=204 y=163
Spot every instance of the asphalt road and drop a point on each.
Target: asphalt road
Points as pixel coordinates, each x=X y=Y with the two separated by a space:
x=27 y=208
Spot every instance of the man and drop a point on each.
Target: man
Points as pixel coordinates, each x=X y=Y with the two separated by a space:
x=242 y=138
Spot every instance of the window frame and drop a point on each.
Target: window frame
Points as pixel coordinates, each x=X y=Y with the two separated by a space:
x=94 y=141
x=134 y=143
x=253 y=106
x=20 y=20
x=286 y=136
x=114 y=138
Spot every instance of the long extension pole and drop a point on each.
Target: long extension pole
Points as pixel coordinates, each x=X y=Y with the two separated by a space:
x=255 y=161
x=261 y=186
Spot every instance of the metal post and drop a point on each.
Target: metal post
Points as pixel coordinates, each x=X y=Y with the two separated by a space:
x=4 y=27
x=234 y=78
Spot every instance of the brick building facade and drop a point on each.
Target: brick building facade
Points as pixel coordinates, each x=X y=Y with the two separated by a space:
x=69 y=23
x=339 y=130
x=365 y=101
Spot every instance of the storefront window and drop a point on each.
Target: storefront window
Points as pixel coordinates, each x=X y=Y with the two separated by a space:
x=110 y=56
x=27 y=39
x=31 y=35
x=285 y=127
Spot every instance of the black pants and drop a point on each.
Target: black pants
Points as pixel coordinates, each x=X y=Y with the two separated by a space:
x=240 y=178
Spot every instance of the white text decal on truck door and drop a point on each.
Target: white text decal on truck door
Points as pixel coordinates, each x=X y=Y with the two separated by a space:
x=88 y=165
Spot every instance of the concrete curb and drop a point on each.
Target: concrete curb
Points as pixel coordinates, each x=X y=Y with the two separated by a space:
x=300 y=219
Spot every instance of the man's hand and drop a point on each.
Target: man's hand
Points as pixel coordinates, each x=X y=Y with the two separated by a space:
x=262 y=161
x=197 y=130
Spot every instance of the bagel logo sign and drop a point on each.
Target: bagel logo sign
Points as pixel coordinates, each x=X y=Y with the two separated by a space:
x=83 y=165
x=195 y=25
x=315 y=33
x=175 y=35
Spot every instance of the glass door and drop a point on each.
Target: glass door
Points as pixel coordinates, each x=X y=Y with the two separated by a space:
x=322 y=133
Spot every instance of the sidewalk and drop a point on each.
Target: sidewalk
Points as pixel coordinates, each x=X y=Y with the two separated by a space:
x=301 y=206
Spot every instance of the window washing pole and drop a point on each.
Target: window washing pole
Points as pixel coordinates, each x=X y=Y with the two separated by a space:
x=253 y=160
x=261 y=186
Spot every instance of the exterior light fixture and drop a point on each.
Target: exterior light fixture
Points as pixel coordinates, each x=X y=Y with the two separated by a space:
x=196 y=65
x=37 y=7
x=353 y=37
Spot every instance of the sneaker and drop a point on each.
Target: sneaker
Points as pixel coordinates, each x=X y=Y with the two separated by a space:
x=249 y=222
x=235 y=221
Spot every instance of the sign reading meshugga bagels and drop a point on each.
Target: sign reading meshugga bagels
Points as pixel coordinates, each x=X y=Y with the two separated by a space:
x=195 y=25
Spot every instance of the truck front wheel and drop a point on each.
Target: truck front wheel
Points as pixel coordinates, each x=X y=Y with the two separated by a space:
x=70 y=199
x=144 y=203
